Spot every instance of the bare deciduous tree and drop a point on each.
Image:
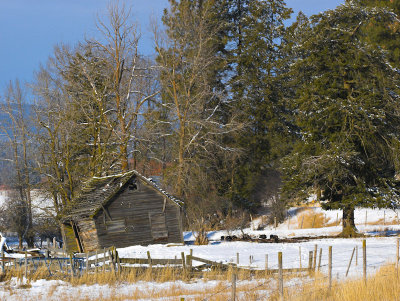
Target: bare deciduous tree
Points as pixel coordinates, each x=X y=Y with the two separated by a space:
x=187 y=55
x=15 y=128
x=130 y=83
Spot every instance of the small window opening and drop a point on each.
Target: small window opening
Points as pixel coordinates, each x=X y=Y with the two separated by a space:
x=133 y=184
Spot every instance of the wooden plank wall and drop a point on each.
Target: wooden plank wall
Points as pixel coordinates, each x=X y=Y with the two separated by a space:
x=69 y=238
x=88 y=235
x=131 y=213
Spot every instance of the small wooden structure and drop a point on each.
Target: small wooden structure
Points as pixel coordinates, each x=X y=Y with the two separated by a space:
x=121 y=210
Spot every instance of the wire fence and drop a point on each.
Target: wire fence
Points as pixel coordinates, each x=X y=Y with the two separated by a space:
x=325 y=282
x=272 y=284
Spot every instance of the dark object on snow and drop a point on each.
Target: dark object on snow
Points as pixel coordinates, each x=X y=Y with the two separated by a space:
x=263 y=236
x=234 y=237
x=246 y=237
x=222 y=238
x=121 y=210
x=274 y=237
x=228 y=238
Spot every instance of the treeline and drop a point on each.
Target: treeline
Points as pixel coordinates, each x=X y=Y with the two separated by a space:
x=234 y=102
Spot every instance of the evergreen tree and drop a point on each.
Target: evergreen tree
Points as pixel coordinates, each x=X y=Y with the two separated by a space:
x=191 y=68
x=240 y=77
x=346 y=107
x=384 y=33
x=253 y=52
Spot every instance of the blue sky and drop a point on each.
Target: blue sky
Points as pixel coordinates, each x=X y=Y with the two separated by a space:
x=30 y=29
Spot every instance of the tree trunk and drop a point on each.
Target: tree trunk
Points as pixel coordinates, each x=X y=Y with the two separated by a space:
x=30 y=235
x=20 y=241
x=181 y=161
x=349 y=227
x=348 y=217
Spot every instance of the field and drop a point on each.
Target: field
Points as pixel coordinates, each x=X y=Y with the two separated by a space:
x=381 y=231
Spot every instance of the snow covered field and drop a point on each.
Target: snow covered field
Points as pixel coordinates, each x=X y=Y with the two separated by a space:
x=58 y=290
x=225 y=252
x=380 y=251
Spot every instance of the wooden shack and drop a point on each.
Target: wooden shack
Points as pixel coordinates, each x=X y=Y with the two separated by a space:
x=120 y=210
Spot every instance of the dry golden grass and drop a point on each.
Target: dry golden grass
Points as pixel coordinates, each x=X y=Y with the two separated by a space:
x=385 y=222
x=218 y=290
x=381 y=286
x=311 y=219
x=319 y=220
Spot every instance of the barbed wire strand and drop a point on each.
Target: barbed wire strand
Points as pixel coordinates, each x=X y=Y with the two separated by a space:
x=374 y=265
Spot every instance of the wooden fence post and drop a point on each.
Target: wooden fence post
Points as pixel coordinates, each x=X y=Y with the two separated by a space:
x=319 y=259
x=365 y=261
x=302 y=220
x=149 y=260
x=26 y=265
x=397 y=253
x=315 y=257
x=87 y=263
x=72 y=265
x=54 y=243
x=300 y=257
x=183 y=261
x=111 y=256
x=104 y=260
x=310 y=260
x=3 y=267
x=330 y=267
x=237 y=258
x=118 y=262
x=280 y=282
x=189 y=262
x=266 y=263
x=351 y=258
x=356 y=255
x=95 y=262
x=233 y=292
x=275 y=222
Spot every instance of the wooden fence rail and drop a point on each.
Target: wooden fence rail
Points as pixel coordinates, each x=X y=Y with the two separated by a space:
x=109 y=260
x=154 y=261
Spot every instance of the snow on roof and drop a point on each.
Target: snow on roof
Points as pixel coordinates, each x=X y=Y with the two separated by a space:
x=97 y=191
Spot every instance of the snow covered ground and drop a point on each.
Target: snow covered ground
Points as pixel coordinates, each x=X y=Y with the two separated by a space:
x=226 y=252
x=58 y=290
x=380 y=251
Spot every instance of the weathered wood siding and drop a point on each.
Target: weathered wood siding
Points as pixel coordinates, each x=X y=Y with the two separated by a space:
x=142 y=216
x=88 y=235
x=69 y=240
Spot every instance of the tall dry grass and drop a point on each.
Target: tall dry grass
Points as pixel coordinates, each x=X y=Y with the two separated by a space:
x=384 y=285
x=215 y=290
x=311 y=219
x=250 y=286
x=126 y=275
